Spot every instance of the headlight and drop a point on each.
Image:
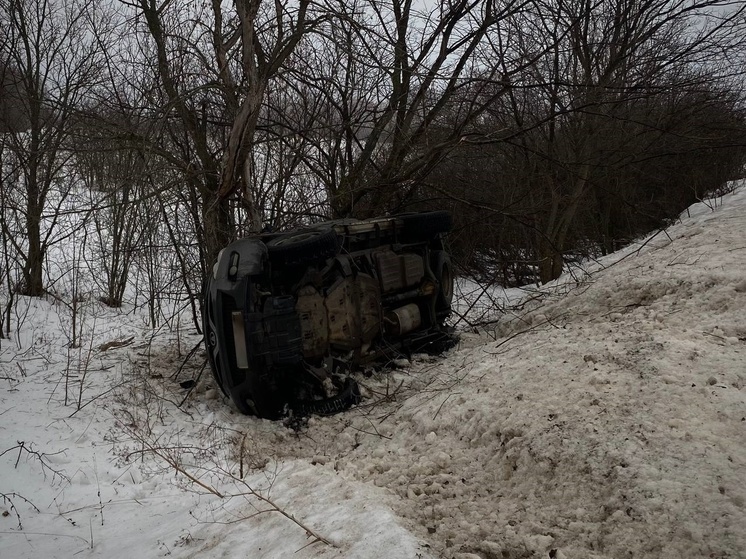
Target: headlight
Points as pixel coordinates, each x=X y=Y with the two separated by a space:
x=217 y=264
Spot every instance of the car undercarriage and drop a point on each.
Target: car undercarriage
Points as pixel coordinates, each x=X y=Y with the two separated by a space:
x=288 y=316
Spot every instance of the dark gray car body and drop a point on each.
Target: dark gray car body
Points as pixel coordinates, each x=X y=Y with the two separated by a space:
x=288 y=316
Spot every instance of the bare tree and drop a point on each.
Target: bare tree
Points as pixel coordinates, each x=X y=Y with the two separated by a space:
x=8 y=175
x=54 y=61
x=620 y=93
x=115 y=177
x=213 y=66
x=388 y=73
x=631 y=111
x=614 y=54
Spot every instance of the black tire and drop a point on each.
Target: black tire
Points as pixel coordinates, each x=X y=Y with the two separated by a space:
x=423 y=226
x=443 y=270
x=210 y=337
x=260 y=400
x=244 y=403
x=303 y=246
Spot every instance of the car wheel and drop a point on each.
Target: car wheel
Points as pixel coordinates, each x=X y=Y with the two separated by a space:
x=261 y=400
x=210 y=337
x=441 y=265
x=304 y=246
x=423 y=226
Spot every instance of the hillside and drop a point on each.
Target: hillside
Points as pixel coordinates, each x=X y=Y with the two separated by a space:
x=605 y=419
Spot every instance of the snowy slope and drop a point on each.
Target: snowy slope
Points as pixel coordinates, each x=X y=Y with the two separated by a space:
x=605 y=421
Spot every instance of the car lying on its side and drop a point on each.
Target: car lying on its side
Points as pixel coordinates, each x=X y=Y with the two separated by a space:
x=289 y=315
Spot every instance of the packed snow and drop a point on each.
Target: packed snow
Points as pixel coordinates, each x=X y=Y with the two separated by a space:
x=603 y=416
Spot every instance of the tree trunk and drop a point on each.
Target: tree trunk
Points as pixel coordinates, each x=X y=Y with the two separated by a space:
x=34 y=265
x=551 y=261
x=218 y=228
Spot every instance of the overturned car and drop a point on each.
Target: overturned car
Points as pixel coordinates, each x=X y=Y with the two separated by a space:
x=287 y=316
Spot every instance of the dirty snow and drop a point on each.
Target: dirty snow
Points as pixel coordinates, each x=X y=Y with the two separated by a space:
x=605 y=418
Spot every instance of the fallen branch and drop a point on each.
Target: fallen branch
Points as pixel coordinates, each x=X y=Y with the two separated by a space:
x=116 y=344
x=8 y=498
x=40 y=456
x=166 y=454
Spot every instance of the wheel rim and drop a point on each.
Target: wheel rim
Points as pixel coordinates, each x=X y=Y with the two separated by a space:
x=446 y=281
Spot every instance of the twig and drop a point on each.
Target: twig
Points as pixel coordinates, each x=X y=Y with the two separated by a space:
x=516 y=334
x=287 y=515
x=175 y=465
x=191 y=389
x=21 y=446
x=104 y=393
x=98 y=486
x=309 y=544
x=186 y=359
x=7 y=497
x=443 y=403
x=715 y=336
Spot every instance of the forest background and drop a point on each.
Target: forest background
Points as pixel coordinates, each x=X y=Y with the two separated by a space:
x=148 y=134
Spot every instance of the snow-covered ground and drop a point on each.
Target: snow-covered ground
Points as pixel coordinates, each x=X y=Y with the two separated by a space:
x=604 y=419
